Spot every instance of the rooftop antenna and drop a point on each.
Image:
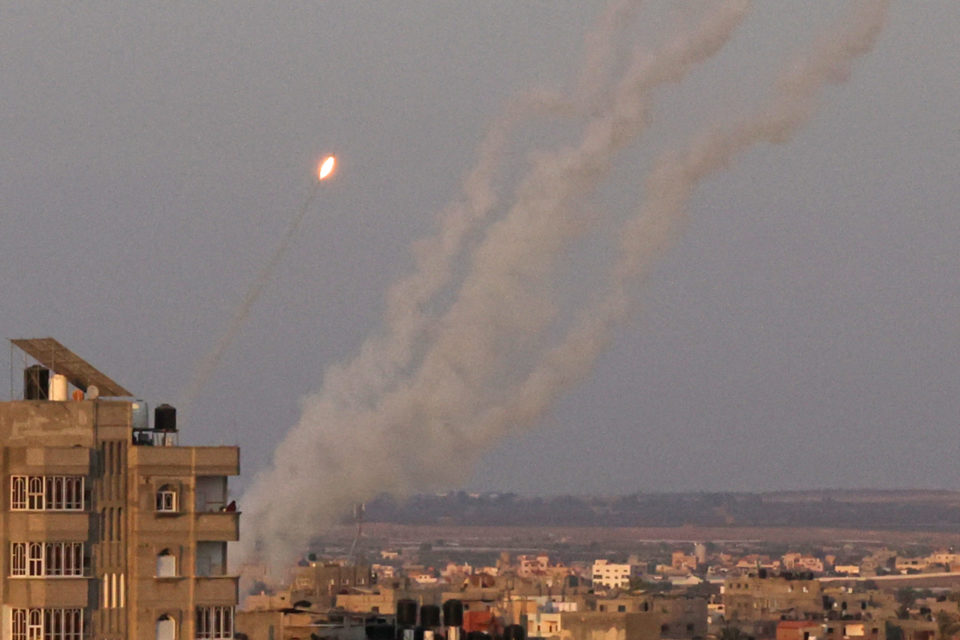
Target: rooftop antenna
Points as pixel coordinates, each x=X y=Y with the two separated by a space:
x=358 y=511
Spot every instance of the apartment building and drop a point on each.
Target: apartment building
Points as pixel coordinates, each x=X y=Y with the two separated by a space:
x=611 y=575
x=110 y=530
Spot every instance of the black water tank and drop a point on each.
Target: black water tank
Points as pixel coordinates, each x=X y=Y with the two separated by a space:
x=164 y=418
x=379 y=631
x=514 y=632
x=430 y=616
x=453 y=613
x=36 y=383
x=406 y=613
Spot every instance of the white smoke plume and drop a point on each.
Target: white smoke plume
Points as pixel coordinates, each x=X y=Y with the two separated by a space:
x=436 y=390
x=668 y=188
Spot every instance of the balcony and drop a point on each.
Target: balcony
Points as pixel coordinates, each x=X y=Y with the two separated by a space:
x=218 y=525
x=216 y=589
x=173 y=460
x=46 y=592
x=49 y=525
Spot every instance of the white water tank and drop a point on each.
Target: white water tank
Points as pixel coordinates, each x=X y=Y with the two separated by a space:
x=140 y=415
x=58 y=388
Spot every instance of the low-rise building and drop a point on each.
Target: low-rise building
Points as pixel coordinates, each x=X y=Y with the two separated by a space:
x=611 y=576
x=799 y=630
x=762 y=597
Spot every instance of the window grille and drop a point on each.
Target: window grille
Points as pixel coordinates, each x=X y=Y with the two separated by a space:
x=47 y=624
x=46 y=493
x=214 y=623
x=46 y=559
x=18 y=494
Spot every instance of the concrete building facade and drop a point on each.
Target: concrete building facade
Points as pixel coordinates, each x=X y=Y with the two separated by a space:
x=110 y=531
x=611 y=575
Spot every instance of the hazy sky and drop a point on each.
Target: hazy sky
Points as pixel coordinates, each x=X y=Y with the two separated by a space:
x=803 y=332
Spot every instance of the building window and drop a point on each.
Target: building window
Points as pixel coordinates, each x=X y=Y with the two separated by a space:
x=18 y=493
x=35 y=624
x=166 y=628
x=214 y=623
x=34 y=559
x=49 y=559
x=46 y=493
x=47 y=624
x=19 y=624
x=18 y=559
x=166 y=499
x=35 y=493
x=166 y=564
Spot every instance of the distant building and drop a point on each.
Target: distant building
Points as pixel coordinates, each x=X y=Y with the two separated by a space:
x=110 y=530
x=528 y=565
x=847 y=569
x=801 y=562
x=320 y=582
x=382 y=601
x=611 y=576
x=799 y=630
x=609 y=626
x=857 y=630
x=681 y=561
x=759 y=597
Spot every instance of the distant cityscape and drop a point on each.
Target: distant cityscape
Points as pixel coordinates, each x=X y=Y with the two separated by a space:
x=582 y=583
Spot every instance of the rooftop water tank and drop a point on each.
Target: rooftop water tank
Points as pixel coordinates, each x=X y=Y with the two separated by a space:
x=36 y=383
x=58 y=387
x=165 y=418
x=430 y=616
x=141 y=415
x=406 y=613
x=453 y=613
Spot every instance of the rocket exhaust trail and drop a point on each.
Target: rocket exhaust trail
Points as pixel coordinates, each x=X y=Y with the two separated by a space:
x=669 y=186
x=485 y=366
x=212 y=359
x=377 y=401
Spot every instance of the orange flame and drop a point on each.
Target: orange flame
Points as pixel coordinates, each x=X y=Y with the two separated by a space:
x=326 y=167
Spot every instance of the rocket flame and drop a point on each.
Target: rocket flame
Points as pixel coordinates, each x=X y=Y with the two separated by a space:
x=326 y=167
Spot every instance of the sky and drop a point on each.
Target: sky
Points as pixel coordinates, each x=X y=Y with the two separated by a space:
x=801 y=331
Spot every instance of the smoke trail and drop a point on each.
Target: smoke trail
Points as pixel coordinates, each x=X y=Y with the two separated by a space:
x=600 y=46
x=210 y=361
x=668 y=189
x=346 y=448
x=382 y=357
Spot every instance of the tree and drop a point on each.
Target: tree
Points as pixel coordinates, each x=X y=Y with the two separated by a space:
x=730 y=632
x=906 y=596
x=947 y=625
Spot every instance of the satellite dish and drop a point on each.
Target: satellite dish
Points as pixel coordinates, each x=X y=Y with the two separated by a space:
x=92 y=392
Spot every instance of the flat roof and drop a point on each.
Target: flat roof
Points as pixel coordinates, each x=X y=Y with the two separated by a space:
x=80 y=373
